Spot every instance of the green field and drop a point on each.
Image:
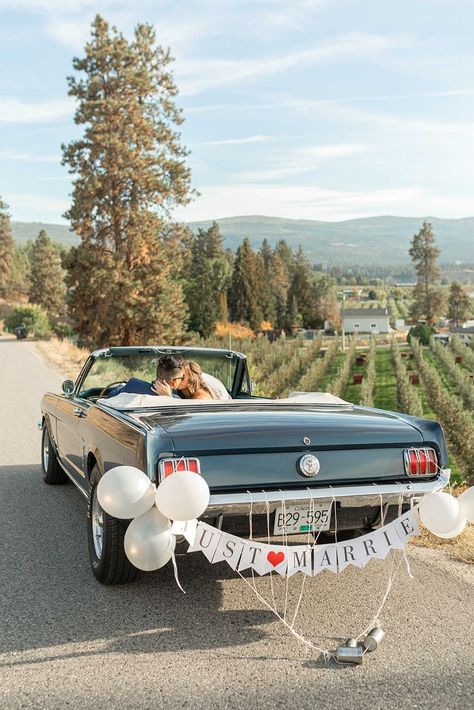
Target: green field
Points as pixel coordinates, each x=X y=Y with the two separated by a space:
x=385 y=392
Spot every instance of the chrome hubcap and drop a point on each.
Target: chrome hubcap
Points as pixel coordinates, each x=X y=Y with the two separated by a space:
x=46 y=451
x=97 y=524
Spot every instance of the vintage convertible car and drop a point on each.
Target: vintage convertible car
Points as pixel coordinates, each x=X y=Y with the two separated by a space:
x=307 y=463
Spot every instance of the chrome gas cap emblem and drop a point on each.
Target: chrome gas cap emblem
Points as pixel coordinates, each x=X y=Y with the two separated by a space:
x=308 y=465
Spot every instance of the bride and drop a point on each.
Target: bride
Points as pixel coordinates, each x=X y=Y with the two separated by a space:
x=193 y=384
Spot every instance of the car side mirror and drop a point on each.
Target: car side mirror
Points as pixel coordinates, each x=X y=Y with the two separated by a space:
x=68 y=386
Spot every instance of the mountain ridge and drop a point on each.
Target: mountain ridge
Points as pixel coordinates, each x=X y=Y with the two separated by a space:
x=364 y=241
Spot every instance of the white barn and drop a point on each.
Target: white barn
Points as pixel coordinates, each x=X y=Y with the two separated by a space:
x=366 y=320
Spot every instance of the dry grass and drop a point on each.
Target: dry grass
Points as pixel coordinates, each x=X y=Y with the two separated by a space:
x=63 y=355
x=461 y=547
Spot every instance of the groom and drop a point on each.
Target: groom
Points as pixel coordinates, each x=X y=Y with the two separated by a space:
x=168 y=368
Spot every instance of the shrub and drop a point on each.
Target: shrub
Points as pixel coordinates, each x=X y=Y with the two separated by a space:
x=367 y=389
x=311 y=380
x=287 y=376
x=407 y=396
x=463 y=386
x=32 y=316
x=456 y=421
x=422 y=333
x=63 y=330
x=338 y=386
x=236 y=330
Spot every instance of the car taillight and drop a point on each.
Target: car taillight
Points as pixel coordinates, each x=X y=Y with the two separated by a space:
x=420 y=462
x=169 y=466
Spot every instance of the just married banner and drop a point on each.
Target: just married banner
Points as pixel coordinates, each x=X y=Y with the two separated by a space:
x=240 y=554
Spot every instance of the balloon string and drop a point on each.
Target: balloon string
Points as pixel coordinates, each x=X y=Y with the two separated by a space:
x=267 y=509
x=285 y=543
x=175 y=567
x=327 y=654
x=308 y=540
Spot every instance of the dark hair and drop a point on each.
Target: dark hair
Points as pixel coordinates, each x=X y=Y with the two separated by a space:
x=168 y=365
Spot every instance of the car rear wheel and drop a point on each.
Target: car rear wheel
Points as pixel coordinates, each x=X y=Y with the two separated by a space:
x=51 y=469
x=105 y=536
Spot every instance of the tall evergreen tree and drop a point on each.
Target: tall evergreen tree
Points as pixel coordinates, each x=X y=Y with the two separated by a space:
x=301 y=288
x=7 y=250
x=47 y=276
x=266 y=254
x=21 y=271
x=279 y=283
x=459 y=304
x=244 y=303
x=428 y=298
x=208 y=278
x=130 y=167
x=267 y=296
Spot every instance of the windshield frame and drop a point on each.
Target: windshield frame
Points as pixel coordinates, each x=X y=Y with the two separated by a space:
x=186 y=351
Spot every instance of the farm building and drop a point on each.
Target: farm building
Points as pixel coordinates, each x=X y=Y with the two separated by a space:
x=366 y=320
x=465 y=334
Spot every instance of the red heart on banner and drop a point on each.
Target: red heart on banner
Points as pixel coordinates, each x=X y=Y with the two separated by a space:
x=275 y=557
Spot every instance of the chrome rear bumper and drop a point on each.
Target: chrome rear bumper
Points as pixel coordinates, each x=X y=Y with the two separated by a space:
x=348 y=496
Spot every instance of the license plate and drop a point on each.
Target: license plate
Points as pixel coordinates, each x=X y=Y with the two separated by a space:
x=302 y=517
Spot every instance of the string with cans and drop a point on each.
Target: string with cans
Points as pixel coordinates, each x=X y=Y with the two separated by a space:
x=159 y=514
x=352 y=651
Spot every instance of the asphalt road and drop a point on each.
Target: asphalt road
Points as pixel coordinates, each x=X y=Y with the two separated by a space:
x=66 y=641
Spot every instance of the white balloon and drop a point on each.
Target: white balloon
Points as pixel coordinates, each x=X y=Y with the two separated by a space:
x=455 y=531
x=183 y=495
x=125 y=492
x=466 y=504
x=439 y=512
x=148 y=541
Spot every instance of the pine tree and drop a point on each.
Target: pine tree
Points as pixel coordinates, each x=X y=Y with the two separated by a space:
x=7 y=250
x=428 y=298
x=124 y=278
x=208 y=278
x=21 y=271
x=301 y=288
x=47 y=276
x=244 y=303
x=459 y=304
x=267 y=296
x=279 y=284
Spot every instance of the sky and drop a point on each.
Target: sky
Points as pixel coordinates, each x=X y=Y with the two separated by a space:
x=305 y=109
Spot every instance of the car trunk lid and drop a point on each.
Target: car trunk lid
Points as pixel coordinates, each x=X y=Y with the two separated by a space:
x=260 y=447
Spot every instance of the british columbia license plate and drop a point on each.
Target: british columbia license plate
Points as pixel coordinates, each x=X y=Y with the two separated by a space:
x=302 y=517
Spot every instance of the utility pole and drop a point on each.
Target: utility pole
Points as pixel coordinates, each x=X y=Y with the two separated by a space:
x=343 y=294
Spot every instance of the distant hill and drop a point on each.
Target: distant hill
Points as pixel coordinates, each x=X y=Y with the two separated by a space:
x=374 y=240
x=25 y=231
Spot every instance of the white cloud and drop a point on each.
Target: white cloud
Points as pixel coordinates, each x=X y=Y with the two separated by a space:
x=70 y=32
x=237 y=141
x=17 y=111
x=41 y=208
x=302 y=160
x=420 y=125
x=319 y=203
x=196 y=75
x=306 y=104
x=268 y=17
x=28 y=157
x=74 y=32
x=54 y=5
